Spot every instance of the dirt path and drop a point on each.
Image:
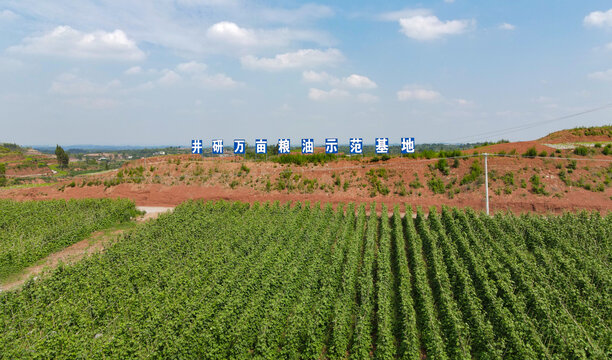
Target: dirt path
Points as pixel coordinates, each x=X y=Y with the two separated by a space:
x=152 y=212
x=95 y=243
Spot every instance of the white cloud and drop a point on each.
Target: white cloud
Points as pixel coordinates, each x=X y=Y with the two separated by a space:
x=608 y=46
x=70 y=84
x=217 y=81
x=65 y=41
x=8 y=15
x=367 y=98
x=134 y=70
x=188 y=73
x=418 y=94
x=322 y=95
x=227 y=36
x=313 y=76
x=429 y=27
x=359 y=82
x=605 y=75
x=449 y=1
x=181 y=25
x=506 y=26
x=230 y=32
x=191 y=67
x=352 y=81
x=169 y=78
x=599 y=19
x=293 y=60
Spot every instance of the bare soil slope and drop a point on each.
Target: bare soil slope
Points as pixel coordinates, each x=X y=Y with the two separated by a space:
x=602 y=133
x=554 y=183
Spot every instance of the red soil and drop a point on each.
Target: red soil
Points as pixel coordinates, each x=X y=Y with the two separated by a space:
x=520 y=148
x=604 y=134
x=250 y=188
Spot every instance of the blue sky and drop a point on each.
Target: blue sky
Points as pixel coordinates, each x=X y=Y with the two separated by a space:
x=145 y=73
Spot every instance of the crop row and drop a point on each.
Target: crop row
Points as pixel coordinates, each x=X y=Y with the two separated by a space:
x=232 y=280
x=30 y=230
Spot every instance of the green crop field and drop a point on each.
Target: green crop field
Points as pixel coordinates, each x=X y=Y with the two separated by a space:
x=228 y=280
x=33 y=229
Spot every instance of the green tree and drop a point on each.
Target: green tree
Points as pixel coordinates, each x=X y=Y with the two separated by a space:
x=2 y=172
x=273 y=150
x=62 y=156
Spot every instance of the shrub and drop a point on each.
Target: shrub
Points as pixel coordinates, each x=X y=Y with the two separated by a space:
x=301 y=159
x=383 y=189
x=543 y=153
x=380 y=172
x=508 y=178
x=3 y=180
x=475 y=173
x=537 y=185
x=374 y=180
x=436 y=185
x=581 y=150
x=531 y=152
x=400 y=188
x=337 y=180
x=415 y=184
x=442 y=165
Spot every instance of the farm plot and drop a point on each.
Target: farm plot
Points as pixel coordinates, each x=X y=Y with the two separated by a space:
x=230 y=280
x=33 y=229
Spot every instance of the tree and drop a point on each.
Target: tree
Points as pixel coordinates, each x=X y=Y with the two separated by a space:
x=273 y=149
x=62 y=157
x=2 y=172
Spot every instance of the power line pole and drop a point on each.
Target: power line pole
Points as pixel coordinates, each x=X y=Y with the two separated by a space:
x=486 y=182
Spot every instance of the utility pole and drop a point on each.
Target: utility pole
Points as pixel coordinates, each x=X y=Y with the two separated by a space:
x=486 y=182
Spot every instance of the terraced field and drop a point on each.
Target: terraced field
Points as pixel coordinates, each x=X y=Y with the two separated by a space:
x=230 y=280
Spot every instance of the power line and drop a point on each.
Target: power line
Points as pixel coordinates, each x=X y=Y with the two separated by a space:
x=531 y=125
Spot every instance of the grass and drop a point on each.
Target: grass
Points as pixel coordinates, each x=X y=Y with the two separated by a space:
x=60 y=172
x=27 y=186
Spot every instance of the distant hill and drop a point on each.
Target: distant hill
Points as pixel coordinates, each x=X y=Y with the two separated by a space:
x=94 y=148
x=8 y=148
